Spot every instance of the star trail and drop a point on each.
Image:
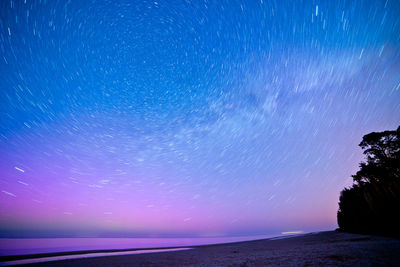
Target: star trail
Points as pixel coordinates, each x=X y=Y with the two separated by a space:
x=188 y=118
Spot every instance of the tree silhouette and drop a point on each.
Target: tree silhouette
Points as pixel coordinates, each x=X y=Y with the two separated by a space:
x=372 y=204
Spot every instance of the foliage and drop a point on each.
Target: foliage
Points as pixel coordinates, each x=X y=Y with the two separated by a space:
x=372 y=204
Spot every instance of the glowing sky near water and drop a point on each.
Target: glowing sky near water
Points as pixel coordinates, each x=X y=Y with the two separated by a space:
x=188 y=118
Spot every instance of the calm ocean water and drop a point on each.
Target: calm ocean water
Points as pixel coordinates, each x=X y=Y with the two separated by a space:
x=20 y=246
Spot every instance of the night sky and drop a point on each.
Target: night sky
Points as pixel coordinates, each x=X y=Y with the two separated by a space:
x=188 y=118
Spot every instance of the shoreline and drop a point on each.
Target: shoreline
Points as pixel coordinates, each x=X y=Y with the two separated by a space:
x=41 y=259
x=155 y=249
x=322 y=248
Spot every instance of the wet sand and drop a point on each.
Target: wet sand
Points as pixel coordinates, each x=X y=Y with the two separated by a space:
x=319 y=249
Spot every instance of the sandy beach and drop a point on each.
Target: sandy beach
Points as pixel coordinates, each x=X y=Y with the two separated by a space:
x=314 y=249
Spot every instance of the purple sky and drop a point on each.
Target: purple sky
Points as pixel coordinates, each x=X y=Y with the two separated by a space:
x=149 y=118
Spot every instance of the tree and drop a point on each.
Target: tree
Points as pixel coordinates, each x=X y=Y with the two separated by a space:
x=372 y=204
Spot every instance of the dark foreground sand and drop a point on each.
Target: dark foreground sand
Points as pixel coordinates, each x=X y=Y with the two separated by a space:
x=320 y=249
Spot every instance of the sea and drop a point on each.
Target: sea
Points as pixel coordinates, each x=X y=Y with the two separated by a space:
x=24 y=246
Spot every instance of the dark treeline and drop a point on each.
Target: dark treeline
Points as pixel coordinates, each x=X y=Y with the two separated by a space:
x=372 y=204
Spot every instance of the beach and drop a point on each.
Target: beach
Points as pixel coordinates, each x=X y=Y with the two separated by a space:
x=313 y=249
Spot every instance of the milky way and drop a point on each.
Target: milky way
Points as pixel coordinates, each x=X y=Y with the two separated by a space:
x=189 y=118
